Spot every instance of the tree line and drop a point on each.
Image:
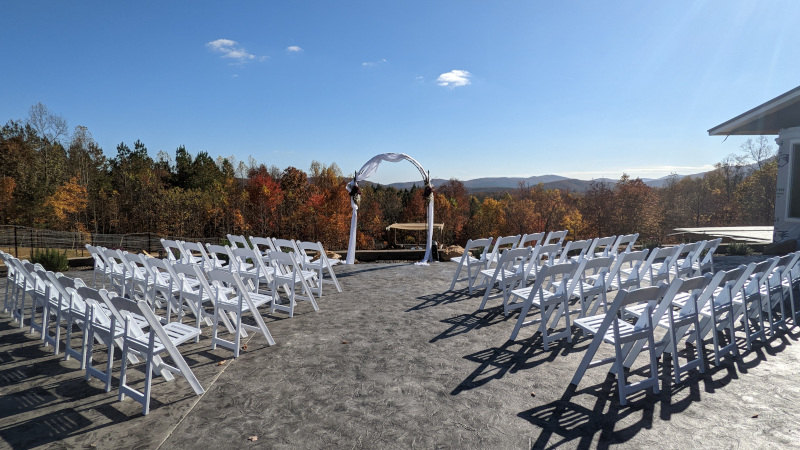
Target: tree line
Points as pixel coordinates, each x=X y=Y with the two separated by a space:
x=51 y=178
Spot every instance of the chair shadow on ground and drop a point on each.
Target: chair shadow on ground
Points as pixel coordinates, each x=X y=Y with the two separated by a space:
x=464 y=323
x=432 y=300
x=565 y=421
x=351 y=273
x=495 y=362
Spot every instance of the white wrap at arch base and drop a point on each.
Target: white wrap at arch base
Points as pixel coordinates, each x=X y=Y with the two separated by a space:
x=367 y=171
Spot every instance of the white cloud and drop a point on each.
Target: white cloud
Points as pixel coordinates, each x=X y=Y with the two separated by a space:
x=454 y=78
x=294 y=49
x=232 y=50
x=373 y=63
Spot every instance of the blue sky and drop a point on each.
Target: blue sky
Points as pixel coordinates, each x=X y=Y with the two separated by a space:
x=468 y=88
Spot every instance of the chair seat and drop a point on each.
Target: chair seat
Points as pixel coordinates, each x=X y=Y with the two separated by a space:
x=592 y=325
x=177 y=332
x=233 y=302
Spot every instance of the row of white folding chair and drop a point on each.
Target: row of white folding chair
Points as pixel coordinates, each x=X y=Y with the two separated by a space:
x=556 y=285
x=310 y=255
x=24 y=284
x=689 y=262
x=491 y=254
x=651 y=307
x=285 y=273
x=514 y=269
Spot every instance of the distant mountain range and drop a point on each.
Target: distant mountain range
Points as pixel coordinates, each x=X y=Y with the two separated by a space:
x=548 y=181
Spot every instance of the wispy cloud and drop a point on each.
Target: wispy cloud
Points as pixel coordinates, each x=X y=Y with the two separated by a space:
x=454 y=78
x=374 y=63
x=644 y=172
x=230 y=49
x=294 y=49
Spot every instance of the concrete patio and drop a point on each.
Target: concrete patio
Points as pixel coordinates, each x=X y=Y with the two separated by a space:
x=395 y=361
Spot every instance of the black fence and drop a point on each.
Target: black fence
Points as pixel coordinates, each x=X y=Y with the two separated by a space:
x=14 y=237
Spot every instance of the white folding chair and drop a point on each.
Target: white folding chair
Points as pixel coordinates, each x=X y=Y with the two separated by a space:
x=264 y=245
x=679 y=323
x=775 y=297
x=174 y=251
x=589 y=282
x=717 y=313
x=194 y=293
x=102 y=327
x=321 y=264
x=549 y=295
x=195 y=253
x=707 y=262
x=613 y=329
x=160 y=339
x=99 y=265
x=118 y=276
x=289 y=275
x=749 y=303
x=506 y=275
x=232 y=298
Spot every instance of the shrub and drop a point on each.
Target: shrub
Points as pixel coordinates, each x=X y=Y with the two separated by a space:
x=51 y=259
x=739 y=248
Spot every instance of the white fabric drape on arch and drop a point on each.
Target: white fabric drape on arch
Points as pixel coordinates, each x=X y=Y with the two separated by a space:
x=367 y=171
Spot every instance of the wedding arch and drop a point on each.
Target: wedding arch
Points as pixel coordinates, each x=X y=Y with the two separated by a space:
x=367 y=171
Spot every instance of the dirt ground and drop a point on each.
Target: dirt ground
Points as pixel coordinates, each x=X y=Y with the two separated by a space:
x=396 y=361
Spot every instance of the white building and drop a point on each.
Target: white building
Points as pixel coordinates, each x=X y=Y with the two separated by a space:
x=781 y=117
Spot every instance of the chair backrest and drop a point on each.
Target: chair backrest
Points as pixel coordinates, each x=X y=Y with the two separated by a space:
x=627 y=297
x=665 y=256
x=587 y=267
x=634 y=260
x=219 y=255
x=555 y=278
x=531 y=240
x=173 y=250
x=99 y=263
x=263 y=245
x=602 y=246
x=239 y=258
x=284 y=263
x=134 y=265
x=238 y=241
x=624 y=243
x=305 y=246
x=474 y=244
x=581 y=247
x=694 y=286
x=502 y=243
x=194 y=253
x=223 y=281
x=689 y=253
x=285 y=245
x=189 y=279
x=760 y=275
x=710 y=248
x=555 y=237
